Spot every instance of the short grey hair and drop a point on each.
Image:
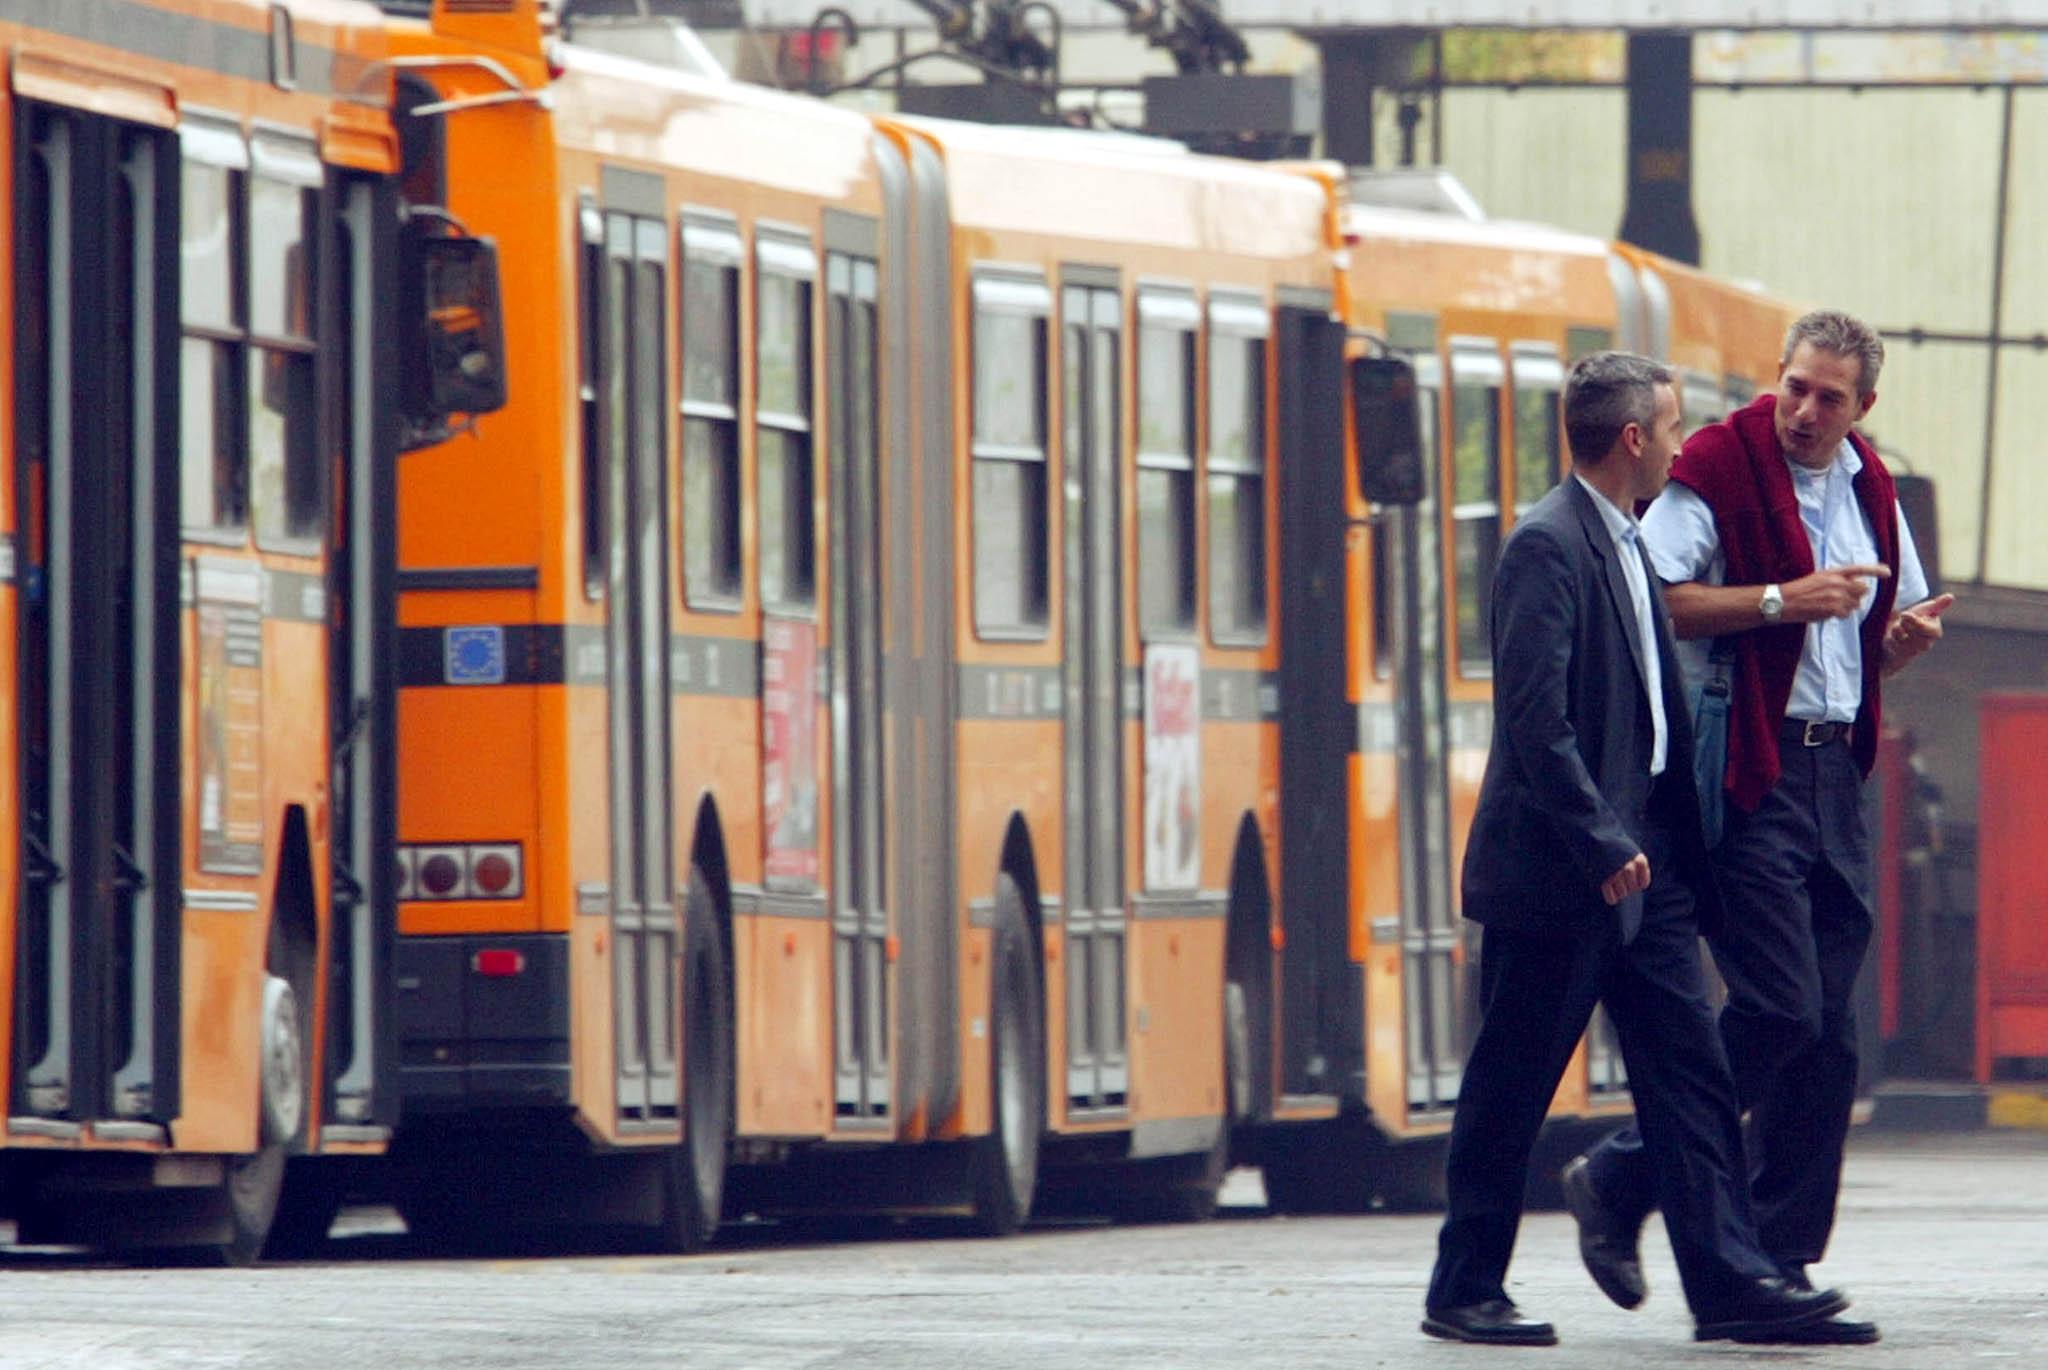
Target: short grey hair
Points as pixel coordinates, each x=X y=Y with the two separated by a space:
x=1605 y=393
x=1844 y=335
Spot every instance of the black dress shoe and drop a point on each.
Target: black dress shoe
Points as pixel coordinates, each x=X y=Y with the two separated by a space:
x=1826 y=1332
x=1610 y=1247
x=1766 y=1310
x=1496 y=1322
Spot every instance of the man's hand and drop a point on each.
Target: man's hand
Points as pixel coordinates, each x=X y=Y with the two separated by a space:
x=1630 y=879
x=1912 y=631
x=1834 y=593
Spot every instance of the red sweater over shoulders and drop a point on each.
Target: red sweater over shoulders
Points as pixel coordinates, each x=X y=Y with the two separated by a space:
x=1738 y=468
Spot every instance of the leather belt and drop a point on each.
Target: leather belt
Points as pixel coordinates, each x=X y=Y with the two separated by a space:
x=1811 y=732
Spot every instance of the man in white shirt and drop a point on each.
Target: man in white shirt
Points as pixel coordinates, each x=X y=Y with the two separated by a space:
x=1586 y=868
x=1781 y=536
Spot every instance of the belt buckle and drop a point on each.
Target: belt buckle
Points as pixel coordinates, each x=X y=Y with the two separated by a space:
x=1815 y=733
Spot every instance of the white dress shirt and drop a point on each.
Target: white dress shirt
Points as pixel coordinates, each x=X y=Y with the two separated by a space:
x=1622 y=527
x=1683 y=544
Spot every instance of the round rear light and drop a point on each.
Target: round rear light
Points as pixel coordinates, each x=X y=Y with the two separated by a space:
x=493 y=873
x=440 y=873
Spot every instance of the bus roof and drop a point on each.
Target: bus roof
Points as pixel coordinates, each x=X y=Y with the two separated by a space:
x=623 y=107
x=1074 y=183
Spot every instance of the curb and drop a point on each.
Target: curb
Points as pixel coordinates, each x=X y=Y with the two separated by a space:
x=1931 y=1106
x=2027 y=1108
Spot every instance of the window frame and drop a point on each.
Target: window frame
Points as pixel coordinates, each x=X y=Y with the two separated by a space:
x=785 y=253
x=710 y=238
x=210 y=139
x=286 y=158
x=1174 y=309
x=1241 y=317
x=1475 y=361
x=1697 y=388
x=1536 y=369
x=1024 y=293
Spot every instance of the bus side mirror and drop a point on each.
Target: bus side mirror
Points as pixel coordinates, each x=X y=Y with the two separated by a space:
x=1383 y=403
x=462 y=364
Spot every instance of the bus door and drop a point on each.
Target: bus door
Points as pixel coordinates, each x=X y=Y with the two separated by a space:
x=632 y=422
x=1098 y=1070
x=96 y=366
x=360 y=1074
x=1429 y=932
x=860 y=918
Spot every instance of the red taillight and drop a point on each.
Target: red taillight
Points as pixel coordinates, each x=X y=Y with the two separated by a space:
x=499 y=961
x=492 y=873
x=440 y=873
x=495 y=870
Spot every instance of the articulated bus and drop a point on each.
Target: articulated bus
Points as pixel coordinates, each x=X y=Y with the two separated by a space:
x=1490 y=315
x=912 y=706
x=211 y=301
x=838 y=725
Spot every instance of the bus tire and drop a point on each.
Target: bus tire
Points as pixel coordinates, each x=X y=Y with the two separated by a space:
x=305 y=1210
x=693 y=1174
x=253 y=1187
x=1005 y=1162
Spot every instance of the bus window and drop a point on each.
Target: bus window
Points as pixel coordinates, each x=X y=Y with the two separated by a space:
x=1475 y=499
x=1539 y=376
x=1237 y=470
x=1701 y=396
x=1737 y=391
x=712 y=572
x=783 y=285
x=1166 y=462
x=213 y=466
x=590 y=326
x=286 y=493
x=1010 y=573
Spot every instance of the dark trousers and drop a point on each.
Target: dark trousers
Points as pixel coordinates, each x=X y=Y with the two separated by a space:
x=1795 y=885
x=1539 y=989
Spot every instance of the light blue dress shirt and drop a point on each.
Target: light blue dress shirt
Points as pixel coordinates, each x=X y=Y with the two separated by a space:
x=1622 y=527
x=1684 y=546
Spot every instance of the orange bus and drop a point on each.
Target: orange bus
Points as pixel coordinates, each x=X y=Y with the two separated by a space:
x=842 y=745
x=838 y=729
x=1490 y=314
x=220 y=335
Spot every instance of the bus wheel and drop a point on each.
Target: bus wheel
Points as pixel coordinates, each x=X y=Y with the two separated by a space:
x=693 y=1174
x=305 y=1210
x=251 y=1190
x=254 y=1183
x=1006 y=1160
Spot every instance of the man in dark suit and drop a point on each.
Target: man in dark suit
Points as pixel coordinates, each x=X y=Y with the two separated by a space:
x=1587 y=868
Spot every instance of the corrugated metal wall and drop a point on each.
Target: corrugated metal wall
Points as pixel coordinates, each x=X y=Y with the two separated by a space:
x=1880 y=203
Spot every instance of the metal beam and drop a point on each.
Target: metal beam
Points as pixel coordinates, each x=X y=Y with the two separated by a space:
x=1870 y=16
x=1659 y=215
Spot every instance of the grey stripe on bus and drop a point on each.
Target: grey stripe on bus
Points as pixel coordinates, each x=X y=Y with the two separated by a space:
x=295 y=596
x=752 y=900
x=6 y=560
x=182 y=39
x=1146 y=908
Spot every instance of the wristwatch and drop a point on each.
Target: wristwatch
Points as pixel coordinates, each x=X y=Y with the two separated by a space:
x=1772 y=605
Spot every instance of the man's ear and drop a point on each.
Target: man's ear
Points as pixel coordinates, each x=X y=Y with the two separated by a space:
x=1869 y=402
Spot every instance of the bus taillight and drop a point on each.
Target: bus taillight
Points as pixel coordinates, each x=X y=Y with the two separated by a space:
x=494 y=870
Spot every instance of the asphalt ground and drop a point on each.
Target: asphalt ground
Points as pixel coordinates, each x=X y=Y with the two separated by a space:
x=1943 y=1239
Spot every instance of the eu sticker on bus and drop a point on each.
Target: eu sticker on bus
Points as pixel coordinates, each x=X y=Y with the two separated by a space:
x=474 y=656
